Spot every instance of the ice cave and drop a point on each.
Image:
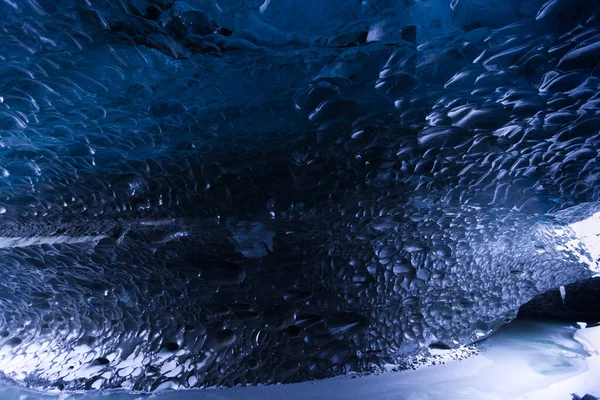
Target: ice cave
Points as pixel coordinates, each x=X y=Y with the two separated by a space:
x=299 y=199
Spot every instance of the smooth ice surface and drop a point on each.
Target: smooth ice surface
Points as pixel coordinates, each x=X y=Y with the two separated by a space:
x=524 y=360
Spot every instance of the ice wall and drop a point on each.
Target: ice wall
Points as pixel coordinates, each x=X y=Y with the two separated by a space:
x=218 y=193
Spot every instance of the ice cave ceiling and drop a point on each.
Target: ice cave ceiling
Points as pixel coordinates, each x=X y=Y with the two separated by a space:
x=224 y=192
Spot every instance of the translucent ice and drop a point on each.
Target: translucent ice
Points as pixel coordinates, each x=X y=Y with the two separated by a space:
x=201 y=193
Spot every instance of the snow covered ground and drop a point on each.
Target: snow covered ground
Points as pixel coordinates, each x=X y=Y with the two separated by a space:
x=524 y=360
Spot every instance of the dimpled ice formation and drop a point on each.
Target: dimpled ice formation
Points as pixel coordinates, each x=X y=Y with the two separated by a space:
x=221 y=192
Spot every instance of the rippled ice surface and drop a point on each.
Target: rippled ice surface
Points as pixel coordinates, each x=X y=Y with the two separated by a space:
x=228 y=192
x=524 y=360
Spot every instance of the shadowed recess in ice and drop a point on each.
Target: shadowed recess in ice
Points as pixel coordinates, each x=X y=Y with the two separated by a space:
x=212 y=193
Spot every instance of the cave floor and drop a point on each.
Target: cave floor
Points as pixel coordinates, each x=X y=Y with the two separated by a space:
x=527 y=359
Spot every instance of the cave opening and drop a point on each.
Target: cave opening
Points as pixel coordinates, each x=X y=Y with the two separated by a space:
x=576 y=302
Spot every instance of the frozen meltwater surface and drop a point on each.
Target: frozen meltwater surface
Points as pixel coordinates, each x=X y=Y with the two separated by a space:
x=524 y=360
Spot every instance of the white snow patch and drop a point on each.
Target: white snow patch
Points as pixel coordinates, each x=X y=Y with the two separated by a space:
x=586 y=382
x=588 y=234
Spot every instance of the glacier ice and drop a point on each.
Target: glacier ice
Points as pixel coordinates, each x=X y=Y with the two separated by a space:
x=201 y=193
x=540 y=359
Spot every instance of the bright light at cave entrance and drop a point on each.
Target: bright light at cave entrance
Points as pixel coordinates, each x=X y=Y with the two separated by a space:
x=588 y=232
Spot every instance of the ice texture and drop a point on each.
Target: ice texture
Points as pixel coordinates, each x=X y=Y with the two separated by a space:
x=540 y=359
x=201 y=193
